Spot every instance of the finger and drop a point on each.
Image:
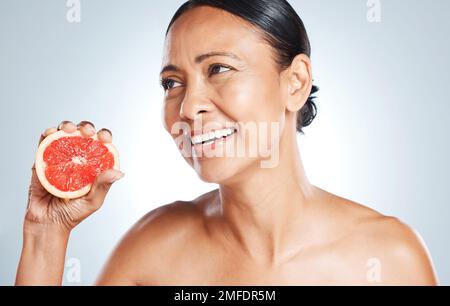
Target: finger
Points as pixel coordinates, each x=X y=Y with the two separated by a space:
x=105 y=135
x=68 y=127
x=84 y=123
x=46 y=133
x=86 y=128
x=101 y=186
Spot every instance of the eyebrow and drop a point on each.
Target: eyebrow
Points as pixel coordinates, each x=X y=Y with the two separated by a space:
x=199 y=59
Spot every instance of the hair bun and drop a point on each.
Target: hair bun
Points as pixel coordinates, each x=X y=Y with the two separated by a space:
x=308 y=112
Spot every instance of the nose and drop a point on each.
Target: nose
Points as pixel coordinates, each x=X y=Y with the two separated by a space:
x=195 y=103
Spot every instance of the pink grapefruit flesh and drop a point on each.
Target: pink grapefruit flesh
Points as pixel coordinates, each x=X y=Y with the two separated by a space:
x=68 y=164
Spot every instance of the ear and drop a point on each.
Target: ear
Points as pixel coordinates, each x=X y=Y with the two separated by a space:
x=299 y=82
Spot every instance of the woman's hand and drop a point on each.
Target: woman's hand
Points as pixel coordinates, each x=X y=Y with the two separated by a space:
x=63 y=215
x=49 y=220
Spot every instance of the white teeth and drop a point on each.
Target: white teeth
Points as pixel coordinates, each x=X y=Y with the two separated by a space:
x=205 y=137
x=197 y=139
x=211 y=136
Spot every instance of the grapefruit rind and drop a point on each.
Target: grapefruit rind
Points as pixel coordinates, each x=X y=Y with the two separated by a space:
x=41 y=165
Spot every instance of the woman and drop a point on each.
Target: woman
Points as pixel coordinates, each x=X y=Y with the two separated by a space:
x=228 y=63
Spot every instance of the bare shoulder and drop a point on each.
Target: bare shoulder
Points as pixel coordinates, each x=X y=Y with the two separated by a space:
x=387 y=243
x=155 y=242
x=403 y=252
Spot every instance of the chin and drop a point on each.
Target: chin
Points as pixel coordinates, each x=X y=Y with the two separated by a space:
x=221 y=171
x=214 y=170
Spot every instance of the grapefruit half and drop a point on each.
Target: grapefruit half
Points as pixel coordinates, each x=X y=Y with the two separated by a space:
x=68 y=164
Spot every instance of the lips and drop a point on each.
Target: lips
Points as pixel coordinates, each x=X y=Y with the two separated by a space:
x=212 y=146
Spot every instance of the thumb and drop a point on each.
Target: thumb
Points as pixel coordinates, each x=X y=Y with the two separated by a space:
x=101 y=186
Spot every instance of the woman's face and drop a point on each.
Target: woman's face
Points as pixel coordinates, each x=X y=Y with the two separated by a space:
x=218 y=73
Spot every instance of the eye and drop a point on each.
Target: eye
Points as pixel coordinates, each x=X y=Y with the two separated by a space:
x=169 y=84
x=218 y=69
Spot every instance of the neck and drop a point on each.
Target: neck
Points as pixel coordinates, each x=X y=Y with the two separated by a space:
x=264 y=207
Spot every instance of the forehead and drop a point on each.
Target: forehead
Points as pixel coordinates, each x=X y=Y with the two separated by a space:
x=206 y=29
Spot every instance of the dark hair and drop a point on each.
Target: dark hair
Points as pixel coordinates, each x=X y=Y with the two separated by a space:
x=283 y=30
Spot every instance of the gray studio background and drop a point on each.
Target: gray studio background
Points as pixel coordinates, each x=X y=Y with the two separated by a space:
x=381 y=137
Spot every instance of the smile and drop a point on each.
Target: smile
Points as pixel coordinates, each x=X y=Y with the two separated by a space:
x=212 y=136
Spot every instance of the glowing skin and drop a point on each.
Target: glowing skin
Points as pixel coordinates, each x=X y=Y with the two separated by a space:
x=262 y=226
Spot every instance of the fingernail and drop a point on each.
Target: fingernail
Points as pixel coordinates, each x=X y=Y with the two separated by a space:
x=105 y=130
x=62 y=124
x=84 y=123
x=49 y=131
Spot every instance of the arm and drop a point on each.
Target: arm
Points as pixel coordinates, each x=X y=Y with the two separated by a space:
x=49 y=220
x=43 y=256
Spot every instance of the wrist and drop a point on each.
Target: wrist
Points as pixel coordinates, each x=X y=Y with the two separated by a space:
x=43 y=254
x=45 y=232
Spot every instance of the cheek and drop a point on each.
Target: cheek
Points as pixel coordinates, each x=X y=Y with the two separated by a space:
x=256 y=102
x=170 y=116
x=176 y=128
x=252 y=98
